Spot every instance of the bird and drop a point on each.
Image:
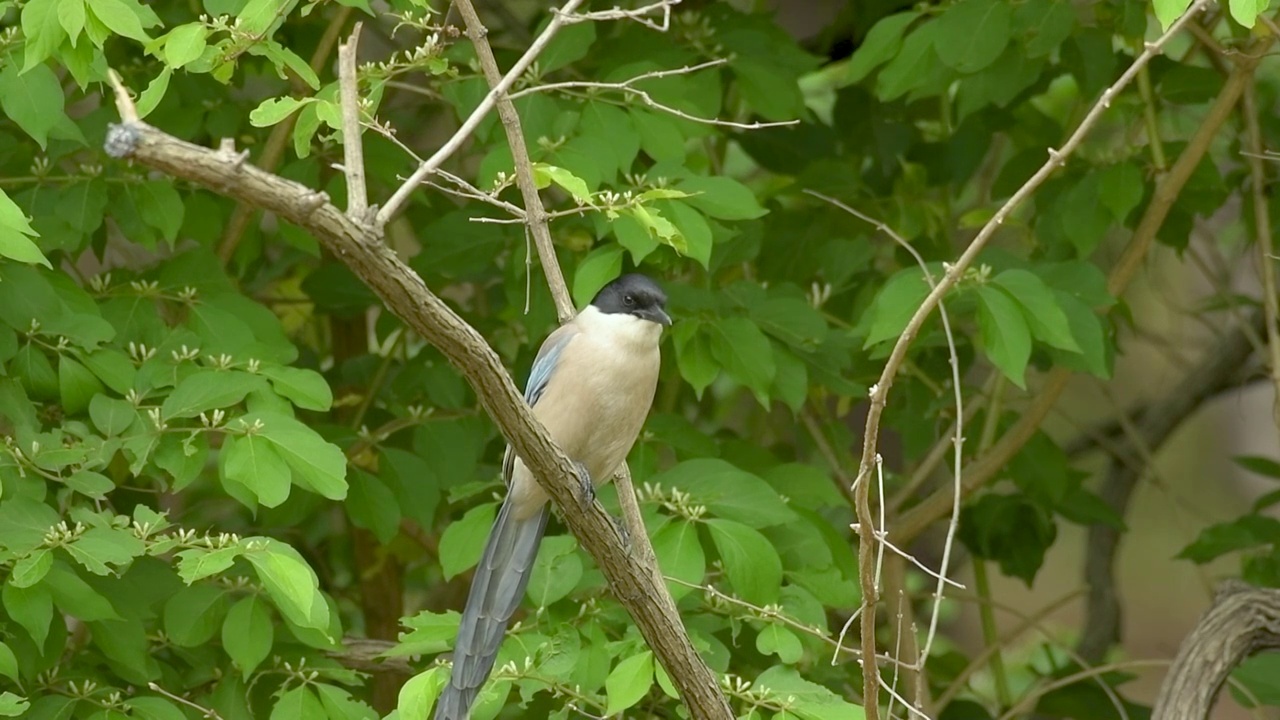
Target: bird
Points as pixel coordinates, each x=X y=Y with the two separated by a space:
x=591 y=386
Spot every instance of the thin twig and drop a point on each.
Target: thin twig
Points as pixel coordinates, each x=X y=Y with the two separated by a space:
x=352 y=150
x=1262 y=235
x=535 y=214
x=401 y=195
x=626 y=86
x=617 y=13
x=866 y=537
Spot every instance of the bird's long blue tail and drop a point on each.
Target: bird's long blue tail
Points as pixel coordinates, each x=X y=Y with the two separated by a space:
x=496 y=590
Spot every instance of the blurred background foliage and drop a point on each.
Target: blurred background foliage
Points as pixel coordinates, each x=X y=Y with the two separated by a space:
x=232 y=483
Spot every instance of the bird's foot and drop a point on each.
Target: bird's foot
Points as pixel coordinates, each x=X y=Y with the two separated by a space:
x=587 y=489
x=620 y=524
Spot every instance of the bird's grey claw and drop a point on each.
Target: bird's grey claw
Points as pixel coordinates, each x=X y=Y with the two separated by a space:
x=588 y=494
x=620 y=524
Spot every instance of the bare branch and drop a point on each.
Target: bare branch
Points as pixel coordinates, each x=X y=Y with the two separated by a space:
x=1243 y=620
x=401 y=196
x=535 y=214
x=626 y=86
x=638 y=14
x=352 y=149
x=1262 y=233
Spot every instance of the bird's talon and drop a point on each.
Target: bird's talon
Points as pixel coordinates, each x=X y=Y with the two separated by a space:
x=587 y=488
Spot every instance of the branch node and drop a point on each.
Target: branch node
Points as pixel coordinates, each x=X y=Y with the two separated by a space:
x=122 y=139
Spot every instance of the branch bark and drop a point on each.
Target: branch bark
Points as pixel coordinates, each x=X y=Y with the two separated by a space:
x=1243 y=620
x=1215 y=372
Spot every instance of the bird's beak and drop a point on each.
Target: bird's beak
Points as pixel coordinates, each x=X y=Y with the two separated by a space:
x=659 y=316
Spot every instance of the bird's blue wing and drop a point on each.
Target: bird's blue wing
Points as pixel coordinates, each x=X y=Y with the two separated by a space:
x=544 y=365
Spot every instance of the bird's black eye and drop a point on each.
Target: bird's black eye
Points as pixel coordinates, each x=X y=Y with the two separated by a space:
x=629 y=300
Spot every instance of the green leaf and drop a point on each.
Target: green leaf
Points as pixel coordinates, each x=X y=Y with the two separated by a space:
x=1005 y=335
x=298 y=704
x=185 y=43
x=728 y=492
x=12 y=705
x=123 y=17
x=100 y=548
x=628 y=682
x=1087 y=329
x=150 y=707
x=1049 y=22
x=568 y=46
x=556 y=570
x=16 y=246
x=693 y=355
x=1240 y=534
x=911 y=65
x=193 y=614
x=721 y=197
x=693 y=227
x=317 y=464
x=660 y=136
x=1265 y=467
x=544 y=175
x=749 y=559
x=8 y=663
x=198 y=563
x=1246 y=12
x=1046 y=319
x=90 y=484
x=161 y=207
x=31 y=568
x=745 y=354
x=680 y=555
x=1169 y=10
x=973 y=33
x=879 y=46
x=894 y=305
x=338 y=703
x=775 y=639
x=306 y=388
x=43 y=32
x=31 y=608
x=24 y=523
x=1120 y=188
x=75 y=597
x=110 y=415
x=273 y=110
x=372 y=505
x=252 y=461
x=206 y=390
x=595 y=271
x=247 y=633
x=419 y=694
x=154 y=93
x=76 y=385
x=463 y=541
x=291 y=583
x=33 y=99
x=806 y=700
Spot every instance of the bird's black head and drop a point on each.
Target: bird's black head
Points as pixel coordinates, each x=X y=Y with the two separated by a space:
x=634 y=295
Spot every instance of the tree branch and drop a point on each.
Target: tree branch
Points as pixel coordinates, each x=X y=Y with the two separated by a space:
x=401 y=196
x=364 y=251
x=1215 y=372
x=1243 y=620
x=535 y=214
x=1262 y=235
x=352 y=150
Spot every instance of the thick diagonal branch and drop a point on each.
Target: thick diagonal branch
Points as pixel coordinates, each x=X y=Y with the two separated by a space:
x=363 y=250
